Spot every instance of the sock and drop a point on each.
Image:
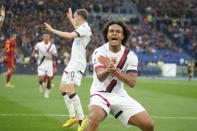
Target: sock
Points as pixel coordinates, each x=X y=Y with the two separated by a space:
x=46 y=94
x=77 y=105
x=40 y=82
x=9 y=74
x=47 y=91
x=48 y=85
x=69 y=105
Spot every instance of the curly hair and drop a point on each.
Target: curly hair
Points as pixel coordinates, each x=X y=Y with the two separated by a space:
x=126 y=31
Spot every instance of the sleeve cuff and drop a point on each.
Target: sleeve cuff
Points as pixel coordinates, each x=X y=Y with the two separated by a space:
x=133 y=71
x=77 y=33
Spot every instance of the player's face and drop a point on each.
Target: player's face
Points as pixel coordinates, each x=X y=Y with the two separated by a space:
x=52 y=40
x=76 y=17
x=14 y=36
x=46 y=38
x=115 y=35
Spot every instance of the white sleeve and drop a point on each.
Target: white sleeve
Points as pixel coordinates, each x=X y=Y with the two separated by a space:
x=132 y=62
x=96 y=63
x=36 y=47
x=83 y=31
x=54 y=50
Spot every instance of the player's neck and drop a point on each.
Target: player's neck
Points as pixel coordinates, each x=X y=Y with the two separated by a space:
x=46 y=42
x=12 y=39
x=81 y=22
x=115 y=49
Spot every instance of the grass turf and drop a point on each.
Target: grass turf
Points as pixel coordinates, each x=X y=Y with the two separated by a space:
x=171 y=103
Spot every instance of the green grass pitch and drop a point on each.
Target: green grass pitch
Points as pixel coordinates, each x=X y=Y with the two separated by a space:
x=171 y=103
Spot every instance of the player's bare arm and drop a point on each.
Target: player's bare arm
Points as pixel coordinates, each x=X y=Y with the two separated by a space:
x=70 y=17
x=128 y=78
x=2 y=15
x=34 y=53
x=61 y=33
x=102 y=74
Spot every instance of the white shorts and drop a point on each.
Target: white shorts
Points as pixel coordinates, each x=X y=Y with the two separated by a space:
x=121 y=107
x=73 y=74
x=43 y=72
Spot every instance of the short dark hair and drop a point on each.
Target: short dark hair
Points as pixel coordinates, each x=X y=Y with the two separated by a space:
x=126 y=30
x=46 y=32
x=83 y=13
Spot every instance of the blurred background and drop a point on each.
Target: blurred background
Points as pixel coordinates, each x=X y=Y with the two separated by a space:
x=164 y=32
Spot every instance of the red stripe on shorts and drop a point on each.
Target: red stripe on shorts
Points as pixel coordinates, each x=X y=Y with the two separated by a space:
x=108 y=104
x=66 y=72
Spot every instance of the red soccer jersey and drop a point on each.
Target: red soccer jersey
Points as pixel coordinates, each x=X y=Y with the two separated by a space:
x=10 y=46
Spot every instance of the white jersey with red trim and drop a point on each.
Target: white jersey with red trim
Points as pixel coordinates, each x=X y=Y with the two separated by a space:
x=78 y=54
x=43 y=50
x=125 y=60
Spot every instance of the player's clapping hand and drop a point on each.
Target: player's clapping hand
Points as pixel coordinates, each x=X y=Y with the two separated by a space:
x=104 y=60
x=109 y=64
x=111 y=67
x=48 y=27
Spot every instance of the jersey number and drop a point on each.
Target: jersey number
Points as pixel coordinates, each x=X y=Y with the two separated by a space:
x=7 y=47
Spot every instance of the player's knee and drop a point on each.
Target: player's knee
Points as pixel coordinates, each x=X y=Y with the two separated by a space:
x=149 y=125
x=61 y=89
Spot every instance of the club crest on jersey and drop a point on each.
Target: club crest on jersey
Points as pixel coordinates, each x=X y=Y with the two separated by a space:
x=95 y=62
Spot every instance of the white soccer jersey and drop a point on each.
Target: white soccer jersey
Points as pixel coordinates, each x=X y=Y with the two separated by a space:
x=125 y=59
x=78 y=54
x=44 y=58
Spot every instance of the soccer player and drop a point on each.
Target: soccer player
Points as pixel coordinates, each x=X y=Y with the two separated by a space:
x=46 y=50
x=114 y=65
x=10 y=46
x=2 y=15
x=54 y=67
x=190 y=70
x=73 y=72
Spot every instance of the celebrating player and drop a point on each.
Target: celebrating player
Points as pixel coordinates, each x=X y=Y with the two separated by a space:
x=10 y=46
x=2 y=15
x=46 y=50
x=72 y=74
x=114 y=65
x=54 y=67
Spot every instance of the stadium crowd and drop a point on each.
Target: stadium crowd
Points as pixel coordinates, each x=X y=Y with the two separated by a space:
x=146 y=40
x=168 y=8
x=177 y=19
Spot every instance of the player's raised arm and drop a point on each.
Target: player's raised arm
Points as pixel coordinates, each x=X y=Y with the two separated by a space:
x=70 y=17
x=60 y=33
x=2 y=15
